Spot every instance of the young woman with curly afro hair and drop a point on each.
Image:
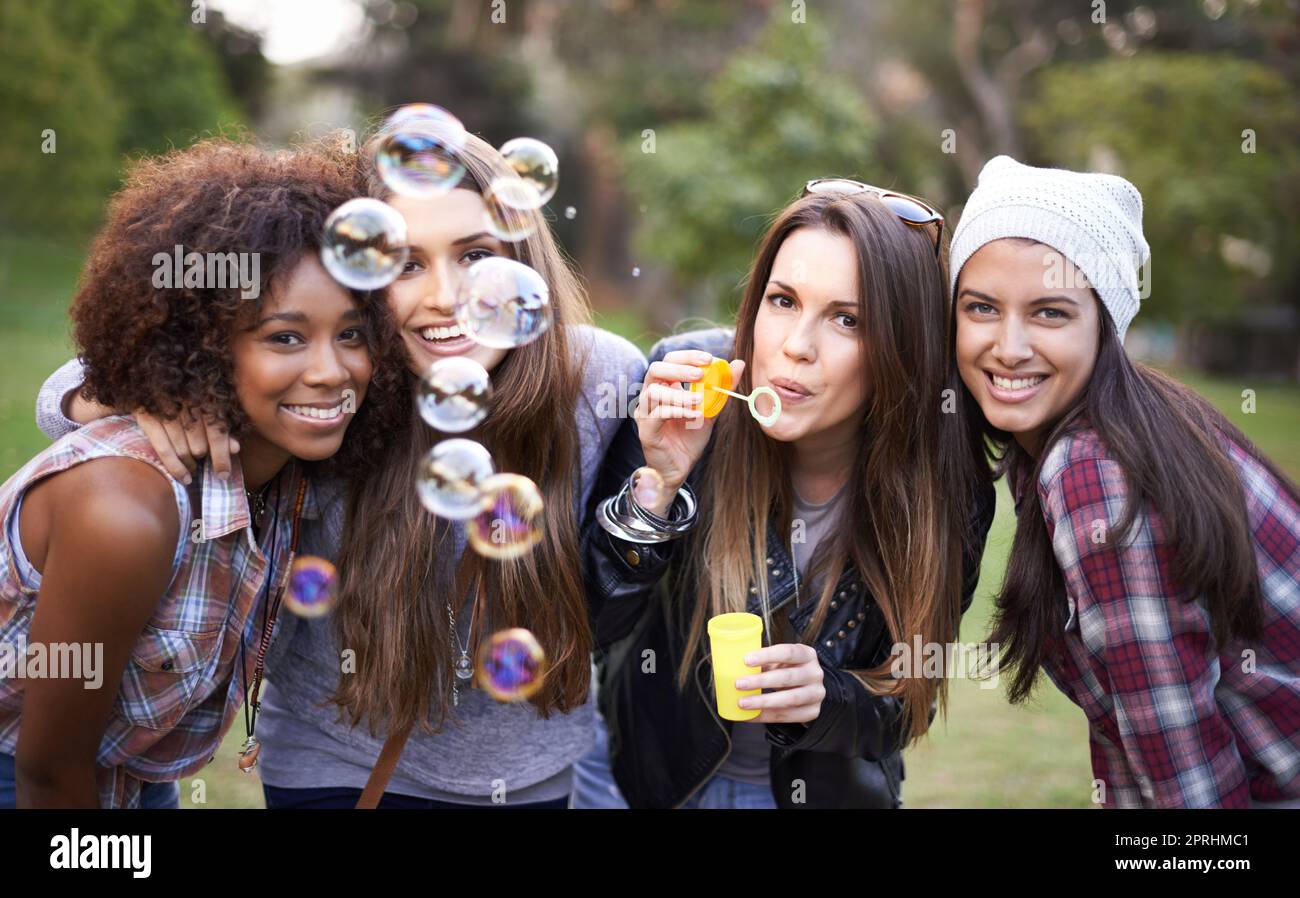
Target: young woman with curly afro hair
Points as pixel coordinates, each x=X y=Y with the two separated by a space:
x=112 y=571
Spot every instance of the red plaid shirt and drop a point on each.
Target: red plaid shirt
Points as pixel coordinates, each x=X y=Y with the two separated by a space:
x=1175 y=720
x=183 y=685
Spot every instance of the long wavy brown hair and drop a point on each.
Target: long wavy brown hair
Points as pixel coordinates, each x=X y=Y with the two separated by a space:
x=396 y=565
x=906 y=503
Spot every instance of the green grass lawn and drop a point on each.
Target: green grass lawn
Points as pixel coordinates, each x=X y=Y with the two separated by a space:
x=985 y=754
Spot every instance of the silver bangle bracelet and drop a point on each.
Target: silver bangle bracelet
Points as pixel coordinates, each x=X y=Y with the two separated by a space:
x=620 y=515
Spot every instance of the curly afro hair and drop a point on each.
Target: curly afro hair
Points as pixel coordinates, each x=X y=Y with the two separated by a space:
x=168 y=350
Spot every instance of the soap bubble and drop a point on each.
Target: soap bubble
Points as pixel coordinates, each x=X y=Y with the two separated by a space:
x=502 y=303
x=365 y=244
x=419 y=153
x=450 y=478
x=429 y=117
x=510 y=522
x=537 y=166
x=508 y=216
x=454 y=394
x=511 y=665
x=313 y=587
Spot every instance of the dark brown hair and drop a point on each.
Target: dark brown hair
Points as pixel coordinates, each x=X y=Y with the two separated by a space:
x=395 y=571
x=1170 y=444
x=907 y=503
x=168 y=349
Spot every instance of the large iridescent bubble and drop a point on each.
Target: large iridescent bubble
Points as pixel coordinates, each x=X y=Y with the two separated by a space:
x=419 y=155
x=364 y=246
x=454 y=394
x=451 y=476
x=503 y=303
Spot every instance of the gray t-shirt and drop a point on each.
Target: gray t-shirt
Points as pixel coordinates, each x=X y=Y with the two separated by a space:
x=496 y=747
x=750 y=752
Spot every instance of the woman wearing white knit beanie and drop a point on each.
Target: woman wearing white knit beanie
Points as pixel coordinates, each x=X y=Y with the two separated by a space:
x=1155 y=574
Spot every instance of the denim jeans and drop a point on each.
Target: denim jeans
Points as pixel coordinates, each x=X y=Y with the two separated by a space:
x=152 y=795
x=594 y=786
x=593 y=781
x=329 y=797
x=720 y=792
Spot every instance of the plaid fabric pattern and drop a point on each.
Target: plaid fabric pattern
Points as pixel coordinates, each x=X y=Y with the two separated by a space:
x=182 y=687
x=1175 y=720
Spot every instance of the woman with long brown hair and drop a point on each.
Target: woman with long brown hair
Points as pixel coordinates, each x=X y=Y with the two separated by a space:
x=849 y=525
x=413 y=602
x=1155 y=573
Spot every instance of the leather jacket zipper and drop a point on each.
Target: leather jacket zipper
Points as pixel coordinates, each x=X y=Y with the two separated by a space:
x=709 y=703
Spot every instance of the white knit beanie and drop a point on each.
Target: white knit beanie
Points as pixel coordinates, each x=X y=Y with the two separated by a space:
x=1093 y=219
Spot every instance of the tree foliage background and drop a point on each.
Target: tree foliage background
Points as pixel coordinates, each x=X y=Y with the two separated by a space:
x=683 y=126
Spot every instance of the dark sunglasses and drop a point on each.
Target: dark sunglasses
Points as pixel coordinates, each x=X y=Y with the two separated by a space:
x=911 y=210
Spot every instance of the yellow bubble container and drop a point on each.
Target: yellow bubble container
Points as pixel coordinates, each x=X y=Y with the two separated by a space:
x=731 y=638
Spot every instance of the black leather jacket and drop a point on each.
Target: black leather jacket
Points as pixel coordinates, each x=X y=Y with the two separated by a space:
x=665 y=743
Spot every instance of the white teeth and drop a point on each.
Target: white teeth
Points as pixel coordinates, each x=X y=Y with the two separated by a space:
x=310 y=411
x=1019 y=383
x=441 y=333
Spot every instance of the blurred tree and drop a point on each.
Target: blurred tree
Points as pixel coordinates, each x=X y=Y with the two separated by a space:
x=239 y=53
x=976 y=58
x=52 y=97
x=447 y=52
x=131 y=77
x=1201 y=181
x=707 y=191
x=156 y=61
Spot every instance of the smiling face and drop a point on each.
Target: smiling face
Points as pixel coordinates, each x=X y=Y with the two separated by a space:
x=807 y=344
x=446 y=236
x=1024 y=350
x=295 y=365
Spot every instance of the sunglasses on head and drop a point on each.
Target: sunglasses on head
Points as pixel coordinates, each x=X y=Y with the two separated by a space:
x=909 y=209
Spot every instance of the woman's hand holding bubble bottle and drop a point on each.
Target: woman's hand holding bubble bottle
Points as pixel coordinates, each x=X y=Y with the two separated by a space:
x=672 y=424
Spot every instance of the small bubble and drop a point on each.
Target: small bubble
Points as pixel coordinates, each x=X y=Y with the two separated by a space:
x=511 y=665
x=313 y=587
x=537 y=165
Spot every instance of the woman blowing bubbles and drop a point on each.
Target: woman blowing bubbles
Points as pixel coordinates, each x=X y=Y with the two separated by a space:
x=844 y=317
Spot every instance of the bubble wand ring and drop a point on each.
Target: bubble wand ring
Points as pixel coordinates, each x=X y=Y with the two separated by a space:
x=765 y=420
x=718 y=379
